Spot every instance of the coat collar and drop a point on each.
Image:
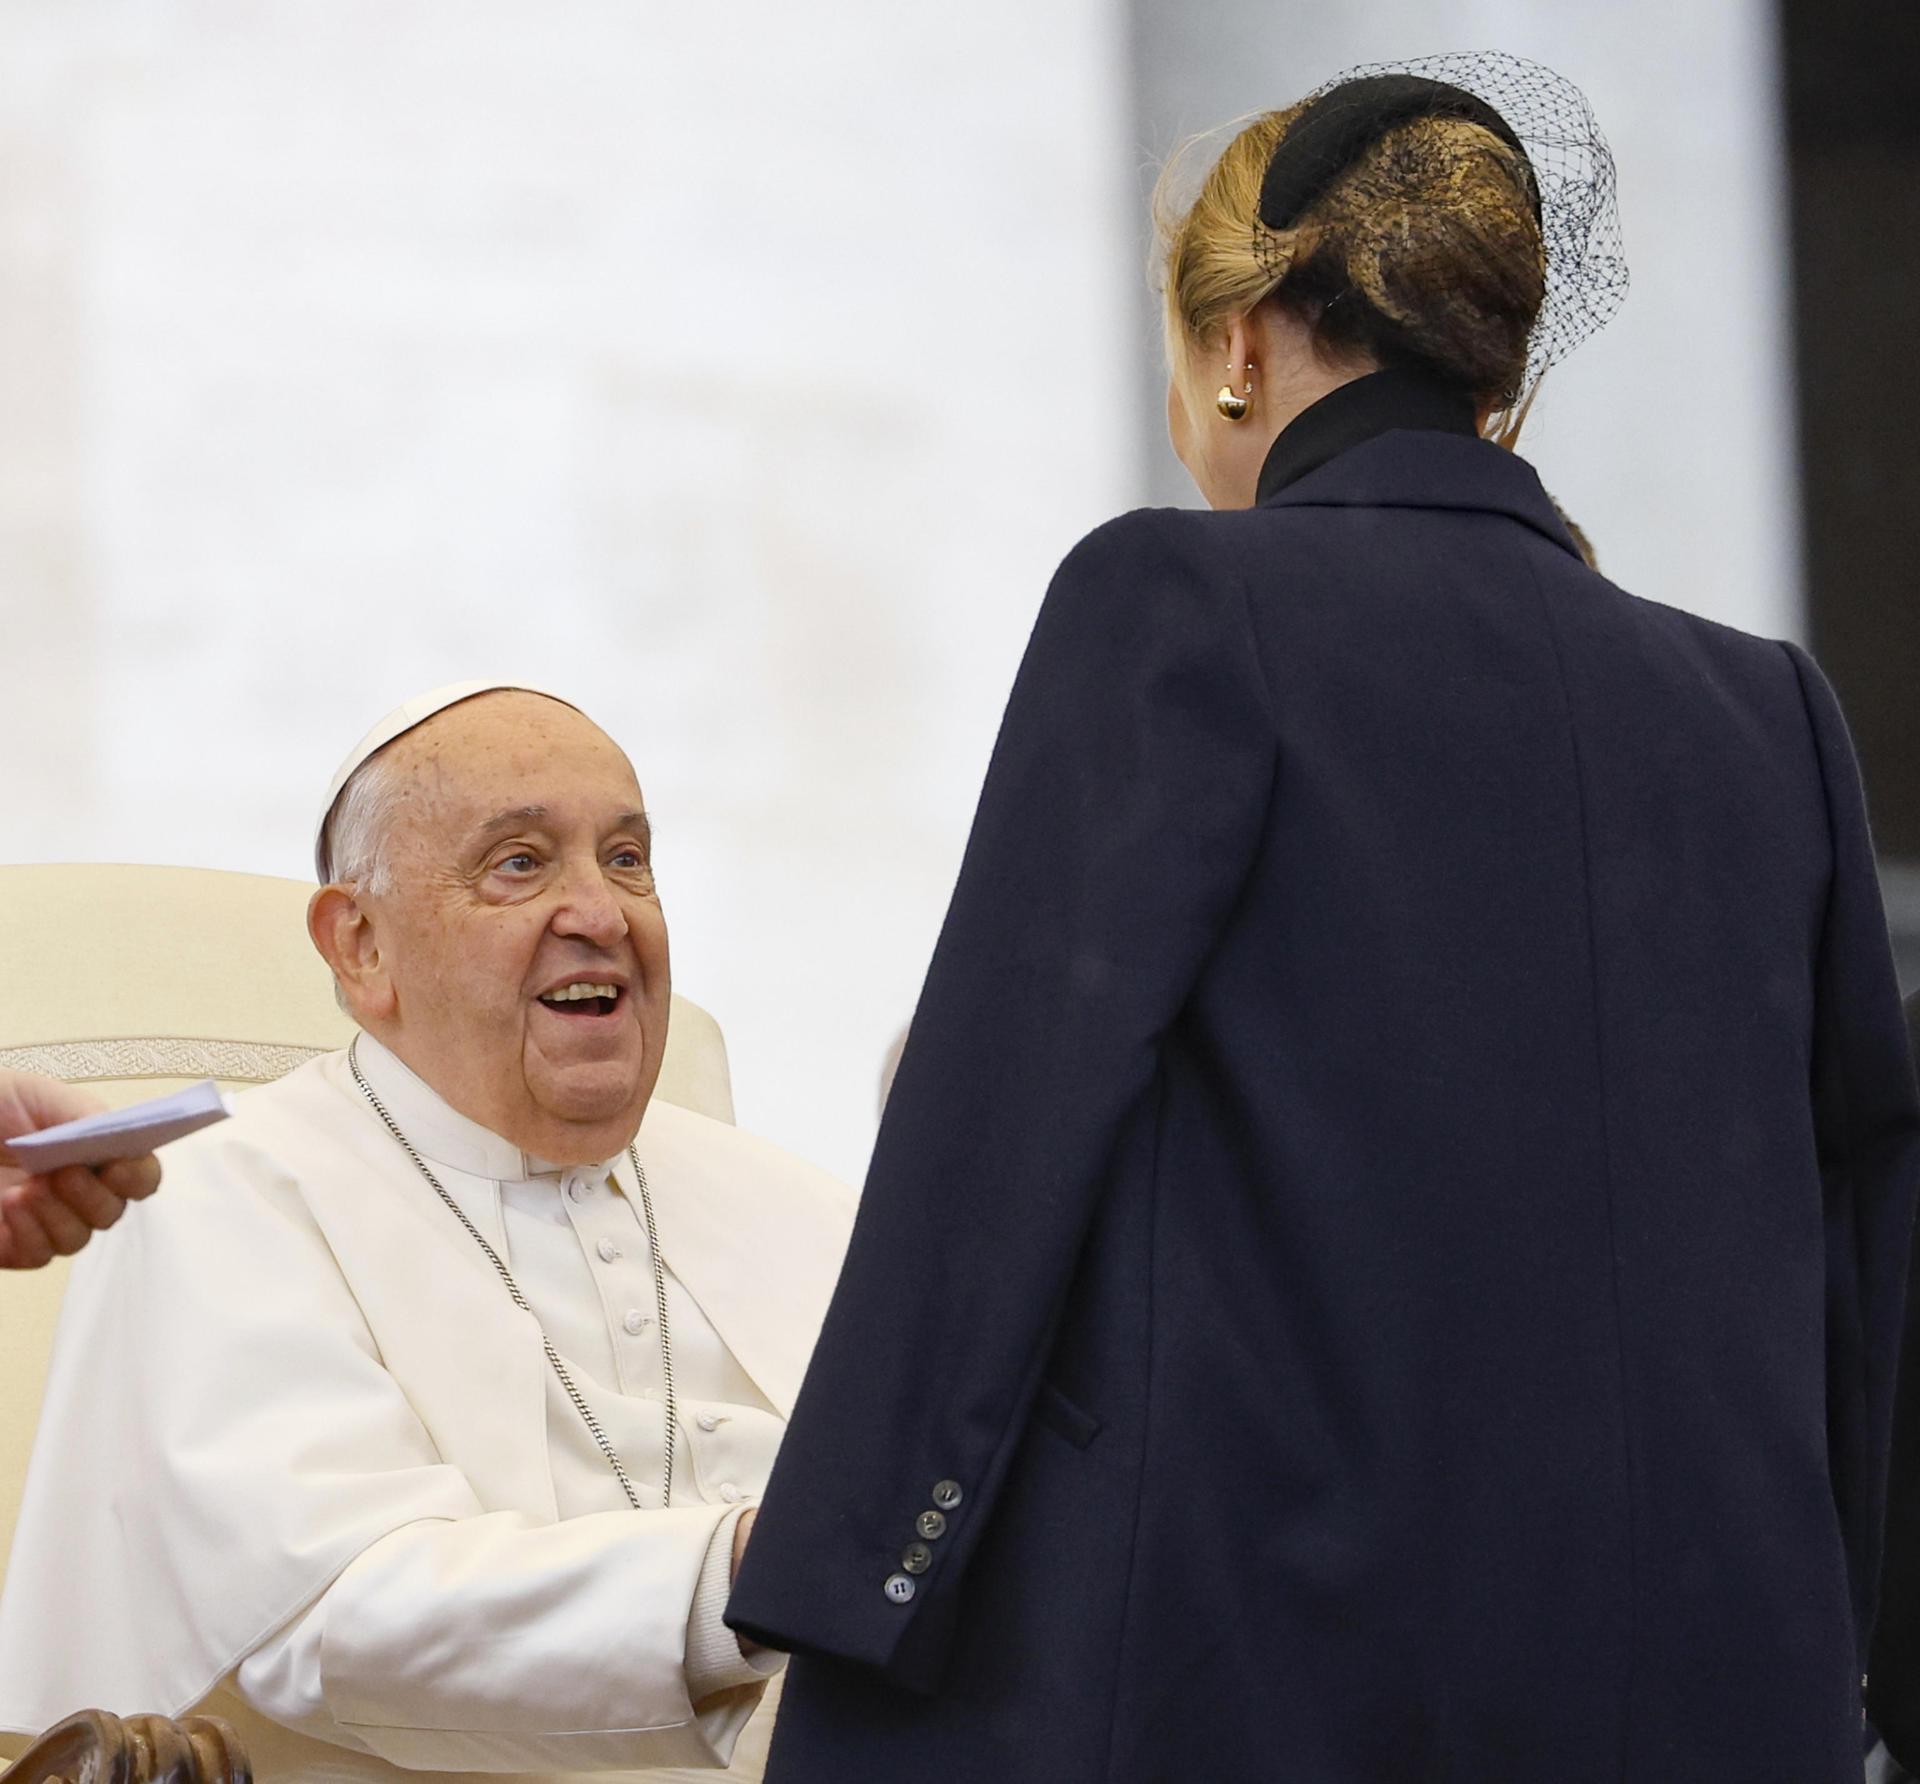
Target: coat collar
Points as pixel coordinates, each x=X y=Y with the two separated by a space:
x=1360 y=411
x=1394 y=439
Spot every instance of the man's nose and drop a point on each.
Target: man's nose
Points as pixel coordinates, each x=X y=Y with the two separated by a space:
x=588 y=907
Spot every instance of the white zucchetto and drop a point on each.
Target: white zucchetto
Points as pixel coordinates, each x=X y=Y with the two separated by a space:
x=402 y=719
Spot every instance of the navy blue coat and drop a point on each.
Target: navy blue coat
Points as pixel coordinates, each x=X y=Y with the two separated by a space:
x=1387 y=1246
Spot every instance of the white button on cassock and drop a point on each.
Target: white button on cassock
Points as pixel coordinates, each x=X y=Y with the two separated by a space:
x=635 y=1322
x=609 y=1252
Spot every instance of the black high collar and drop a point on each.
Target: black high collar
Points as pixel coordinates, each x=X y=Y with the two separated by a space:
x=1376 y=404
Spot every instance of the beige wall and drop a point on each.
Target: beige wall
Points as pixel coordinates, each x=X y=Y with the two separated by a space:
x=743 y=370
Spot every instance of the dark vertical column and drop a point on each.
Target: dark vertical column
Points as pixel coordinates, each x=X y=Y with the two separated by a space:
x=1853 y=142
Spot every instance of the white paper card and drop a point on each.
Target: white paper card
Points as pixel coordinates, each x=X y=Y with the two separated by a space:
x=120 y=1133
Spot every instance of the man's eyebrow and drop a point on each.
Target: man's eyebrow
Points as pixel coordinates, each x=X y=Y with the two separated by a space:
x=519 y=815
x=512 y=820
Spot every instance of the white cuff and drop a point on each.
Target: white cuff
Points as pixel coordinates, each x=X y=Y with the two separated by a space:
x=714 y=1660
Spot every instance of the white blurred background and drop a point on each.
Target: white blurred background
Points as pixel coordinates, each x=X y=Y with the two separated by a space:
x=742 y=372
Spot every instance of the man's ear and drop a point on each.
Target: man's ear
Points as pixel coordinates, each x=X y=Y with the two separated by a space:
x=343 y=930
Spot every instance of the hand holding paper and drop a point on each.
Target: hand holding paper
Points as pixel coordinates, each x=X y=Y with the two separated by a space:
x=69 y=1166
x=94 y=1136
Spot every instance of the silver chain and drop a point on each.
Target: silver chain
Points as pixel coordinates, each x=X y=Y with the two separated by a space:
x=519 y=1300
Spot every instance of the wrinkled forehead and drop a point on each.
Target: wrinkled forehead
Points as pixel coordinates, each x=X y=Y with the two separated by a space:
x=511 y=749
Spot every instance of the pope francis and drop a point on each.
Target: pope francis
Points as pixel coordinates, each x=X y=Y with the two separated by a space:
x=418 y=1428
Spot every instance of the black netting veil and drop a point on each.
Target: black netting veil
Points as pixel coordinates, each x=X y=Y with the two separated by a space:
x=1327 y=155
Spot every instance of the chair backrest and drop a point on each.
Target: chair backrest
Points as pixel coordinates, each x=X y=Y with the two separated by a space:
x=137 y=980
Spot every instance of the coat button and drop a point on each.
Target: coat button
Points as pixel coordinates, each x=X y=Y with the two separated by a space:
x=918 y=1557
x=899 y=1588
x=947 y=1495
x=609 y=1252
x=707 y=1422
x=635 y=1322
x=932 y=1525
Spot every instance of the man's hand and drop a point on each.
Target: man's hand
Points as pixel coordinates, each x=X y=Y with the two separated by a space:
x=741 y=1531
x=43 y=1217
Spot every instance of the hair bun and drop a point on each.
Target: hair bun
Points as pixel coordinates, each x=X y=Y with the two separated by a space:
x=1453 y=211
x=1435 y=230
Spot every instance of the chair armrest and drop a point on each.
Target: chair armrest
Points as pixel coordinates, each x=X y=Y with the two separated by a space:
x=94 y=1745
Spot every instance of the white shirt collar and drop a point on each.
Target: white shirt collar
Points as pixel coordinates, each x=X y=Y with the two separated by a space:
x=441 y=1133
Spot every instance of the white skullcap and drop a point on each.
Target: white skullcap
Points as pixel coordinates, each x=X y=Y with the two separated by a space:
x=398 y=723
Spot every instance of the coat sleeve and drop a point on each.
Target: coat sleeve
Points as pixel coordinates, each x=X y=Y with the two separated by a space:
x=1121 y=813
x=1866 y=1112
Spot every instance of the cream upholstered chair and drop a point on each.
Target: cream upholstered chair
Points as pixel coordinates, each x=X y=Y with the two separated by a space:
x=137 y=980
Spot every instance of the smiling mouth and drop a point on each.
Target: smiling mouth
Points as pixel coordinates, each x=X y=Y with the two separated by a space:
x=585 y=999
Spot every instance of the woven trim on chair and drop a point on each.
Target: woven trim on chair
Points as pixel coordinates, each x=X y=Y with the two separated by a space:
x=159 y=1056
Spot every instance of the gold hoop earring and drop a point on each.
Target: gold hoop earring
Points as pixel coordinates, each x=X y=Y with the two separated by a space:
x=1235 y=408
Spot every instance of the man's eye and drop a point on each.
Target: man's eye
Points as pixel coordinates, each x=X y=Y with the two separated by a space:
x=629 y=858
x=520 y=863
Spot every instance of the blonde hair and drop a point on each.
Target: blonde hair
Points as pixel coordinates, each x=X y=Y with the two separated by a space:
x=1428 y=252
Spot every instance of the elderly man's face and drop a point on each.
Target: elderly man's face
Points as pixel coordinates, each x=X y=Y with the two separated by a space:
x=521 y=950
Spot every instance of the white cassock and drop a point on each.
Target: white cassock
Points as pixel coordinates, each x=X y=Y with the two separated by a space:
x=304 y=1464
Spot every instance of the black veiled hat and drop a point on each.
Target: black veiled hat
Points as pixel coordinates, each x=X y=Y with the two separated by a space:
x=1541 y=117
